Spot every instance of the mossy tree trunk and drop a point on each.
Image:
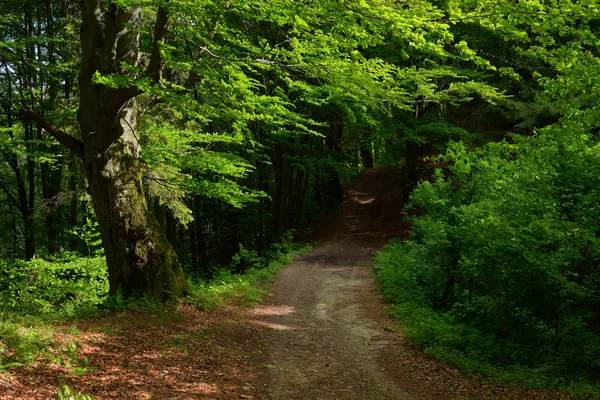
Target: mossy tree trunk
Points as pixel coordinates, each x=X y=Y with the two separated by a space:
x=140 y=259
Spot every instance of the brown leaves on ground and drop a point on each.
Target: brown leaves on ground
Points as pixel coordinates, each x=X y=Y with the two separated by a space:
x=185 y=353
x=181 y=353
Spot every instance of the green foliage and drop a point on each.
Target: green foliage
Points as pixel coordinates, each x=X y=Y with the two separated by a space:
x=66 y=393
x=243 y=287
x=23 y=340
x=116 y=301
x=66 y=287
x=89 y=231
x=500 y=274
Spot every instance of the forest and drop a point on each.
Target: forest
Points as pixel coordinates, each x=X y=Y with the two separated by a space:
x=152 y=150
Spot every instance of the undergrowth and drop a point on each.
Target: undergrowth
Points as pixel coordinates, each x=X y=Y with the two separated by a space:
x=243 y=288
x=41 y=298
x=445 y=337
x=501 y=276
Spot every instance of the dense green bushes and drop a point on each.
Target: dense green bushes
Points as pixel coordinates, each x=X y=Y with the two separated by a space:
x=241 y=281
x=74 y=286
x=68 y=286
x=503 y=262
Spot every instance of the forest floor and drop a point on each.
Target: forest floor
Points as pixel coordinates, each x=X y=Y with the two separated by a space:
x=321 y=334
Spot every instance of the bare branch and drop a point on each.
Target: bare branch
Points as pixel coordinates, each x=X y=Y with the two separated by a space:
x=75 y=145
x=249 y=60
x=11 y=197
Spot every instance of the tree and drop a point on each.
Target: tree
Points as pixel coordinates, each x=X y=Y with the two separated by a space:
x=230 y=80
x=139 y=257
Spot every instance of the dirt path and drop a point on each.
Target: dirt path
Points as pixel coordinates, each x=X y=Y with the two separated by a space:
x=327 y=339
x=326 y=335
x=321 y=335
x=325 y=344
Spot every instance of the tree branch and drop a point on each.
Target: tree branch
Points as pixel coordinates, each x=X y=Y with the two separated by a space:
x=11 y=197
x=76 y=146
x=160 y=32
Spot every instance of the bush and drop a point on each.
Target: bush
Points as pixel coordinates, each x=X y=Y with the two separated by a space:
x=501 y=273
x=227 y=285
x=66 y=288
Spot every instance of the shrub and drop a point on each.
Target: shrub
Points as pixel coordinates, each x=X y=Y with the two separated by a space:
x=245 y=288
x=65 y=288
x=502 y=266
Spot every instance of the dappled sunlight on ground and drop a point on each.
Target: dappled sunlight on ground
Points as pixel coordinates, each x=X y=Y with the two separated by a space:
x=272 y=310
x=272 y=325
x=171 y=354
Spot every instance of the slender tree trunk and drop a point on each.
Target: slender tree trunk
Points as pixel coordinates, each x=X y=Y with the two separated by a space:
x=29 y=233
x=411 y=165
x=262 y=184
x=13 y=221
x=297 y=199
x=334 y=189
x=51 y=177
x=411 y=171
x=74 y=201
x=281 y=195
x=193 y=246
x=200 y=239
x=366 y=154
x=28 y=201
x=51 y=180
x=20 y=201
x=140 y=259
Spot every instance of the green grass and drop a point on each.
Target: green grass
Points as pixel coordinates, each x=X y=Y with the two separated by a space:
x=23 y=339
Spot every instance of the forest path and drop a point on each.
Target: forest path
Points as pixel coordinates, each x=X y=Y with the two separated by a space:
x=321 y=335
x=323 y=331
x=329 y=338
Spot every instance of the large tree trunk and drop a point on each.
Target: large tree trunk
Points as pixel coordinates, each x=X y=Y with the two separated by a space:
x=140 y=259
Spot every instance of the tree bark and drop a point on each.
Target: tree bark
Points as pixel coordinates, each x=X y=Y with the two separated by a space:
x=21 y=199
x=200 y=239
x=139 y=257
x=281 y=195
x=74 y=201
x=366 y=154
x=51 y=177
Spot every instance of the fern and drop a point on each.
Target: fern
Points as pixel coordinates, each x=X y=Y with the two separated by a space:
x=116 y=301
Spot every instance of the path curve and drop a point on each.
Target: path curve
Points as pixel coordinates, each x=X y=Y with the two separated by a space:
x=323 y=333
x=328 y=334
